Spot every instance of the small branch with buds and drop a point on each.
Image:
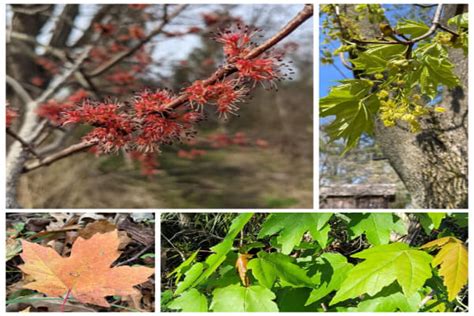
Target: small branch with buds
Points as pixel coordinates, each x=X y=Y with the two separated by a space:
x=219 y=75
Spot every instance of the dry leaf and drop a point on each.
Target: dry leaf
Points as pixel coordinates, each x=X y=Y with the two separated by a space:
x=101 y=226
x=13 y=248
x=241 y=266
x=86 y=274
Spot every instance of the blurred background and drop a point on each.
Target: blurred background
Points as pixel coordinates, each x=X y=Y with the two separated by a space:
x=263 y=158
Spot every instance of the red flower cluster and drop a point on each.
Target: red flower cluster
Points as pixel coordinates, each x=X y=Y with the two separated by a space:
x=54 y=111
x=223 y=94
x=191 y=154
x=47 y=65
x=142 y=126
x=148 y=162
x=238 y=43
x=11 y=115
x=138 y=6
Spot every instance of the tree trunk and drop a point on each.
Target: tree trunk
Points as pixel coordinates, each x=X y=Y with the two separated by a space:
x=433 y=164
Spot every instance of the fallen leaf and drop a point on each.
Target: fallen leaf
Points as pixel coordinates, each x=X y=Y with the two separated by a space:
x=86 y=274
x=102 y=226
x=124 y=240
x=13 y=248
x=61 y=220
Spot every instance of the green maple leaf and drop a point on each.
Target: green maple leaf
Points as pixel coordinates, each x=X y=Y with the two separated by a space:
x=382 y=266
x=332 y=269
x=434 y=70
x=268 y=266
x=430 y=221
x=236 y=298
x=200 y=272
x=292 y=226
x=390 y=299
x=376 y=226
x=354 y=108
x=376 y=57
x=190 y=301
x=412 y=28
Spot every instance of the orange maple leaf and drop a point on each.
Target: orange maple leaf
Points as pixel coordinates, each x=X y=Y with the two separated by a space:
x=86 y=273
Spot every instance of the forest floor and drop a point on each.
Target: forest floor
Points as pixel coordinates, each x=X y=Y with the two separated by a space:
x=136 y=236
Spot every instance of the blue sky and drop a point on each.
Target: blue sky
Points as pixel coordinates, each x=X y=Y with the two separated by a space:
x=328 y=74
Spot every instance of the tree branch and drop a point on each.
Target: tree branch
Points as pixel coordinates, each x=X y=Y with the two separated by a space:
x=73 y=149
x=229 y=69
x=434 y=25
x=18 y=88
x=23 y=142
x=222 y=72
x=118 y=58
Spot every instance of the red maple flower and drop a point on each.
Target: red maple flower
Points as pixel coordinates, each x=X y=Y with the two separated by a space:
x=11 y=115
x=237 y=40
x=148 y=102
x=148 y=162
x=259 y=69
x=136 y=32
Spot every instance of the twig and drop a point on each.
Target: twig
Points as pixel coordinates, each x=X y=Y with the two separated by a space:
x=183 y=257
x=23 y=142
x=427 y=298
x=434 y=25
x=58 y=156
x=115 y=60
x=58 y=82
x=222 y=72
x=135 y=257
x=229 y=69
x=22 y=93
x=344 y=61
x=49 y=49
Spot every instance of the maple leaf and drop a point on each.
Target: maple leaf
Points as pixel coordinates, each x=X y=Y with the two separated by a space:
x=292 y=226
x=86 y=273
x=382 y=266
x=453 y=261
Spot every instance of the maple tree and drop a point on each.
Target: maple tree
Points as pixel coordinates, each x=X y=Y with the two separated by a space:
x=137 y=123
x=86 y=274
x=402 y=91
x=331 y=262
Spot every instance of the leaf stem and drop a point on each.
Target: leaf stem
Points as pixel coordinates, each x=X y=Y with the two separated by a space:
x=65 y=300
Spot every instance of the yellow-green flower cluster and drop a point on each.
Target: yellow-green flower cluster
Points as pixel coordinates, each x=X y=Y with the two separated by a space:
x=392 y=111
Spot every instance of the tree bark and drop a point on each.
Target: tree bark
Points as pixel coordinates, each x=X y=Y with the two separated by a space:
x=433 y=164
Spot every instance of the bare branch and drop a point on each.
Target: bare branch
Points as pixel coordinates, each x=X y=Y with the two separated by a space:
x=58 y=82
x=229 y=69
x=118 y=58
x=226 y=70
x=23 y=142
x=73 y=149
x=434 y=25
x=18 y=88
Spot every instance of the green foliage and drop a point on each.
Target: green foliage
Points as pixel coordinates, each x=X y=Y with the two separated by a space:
x=190 y=301
x=354 y=107
x=236 y=298
x=382 y=266
x=363 y=264
x=397 y=80
x=376 y=226
x=291 y=228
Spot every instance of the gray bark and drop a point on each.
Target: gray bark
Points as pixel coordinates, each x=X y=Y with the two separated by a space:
x=433 y=163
